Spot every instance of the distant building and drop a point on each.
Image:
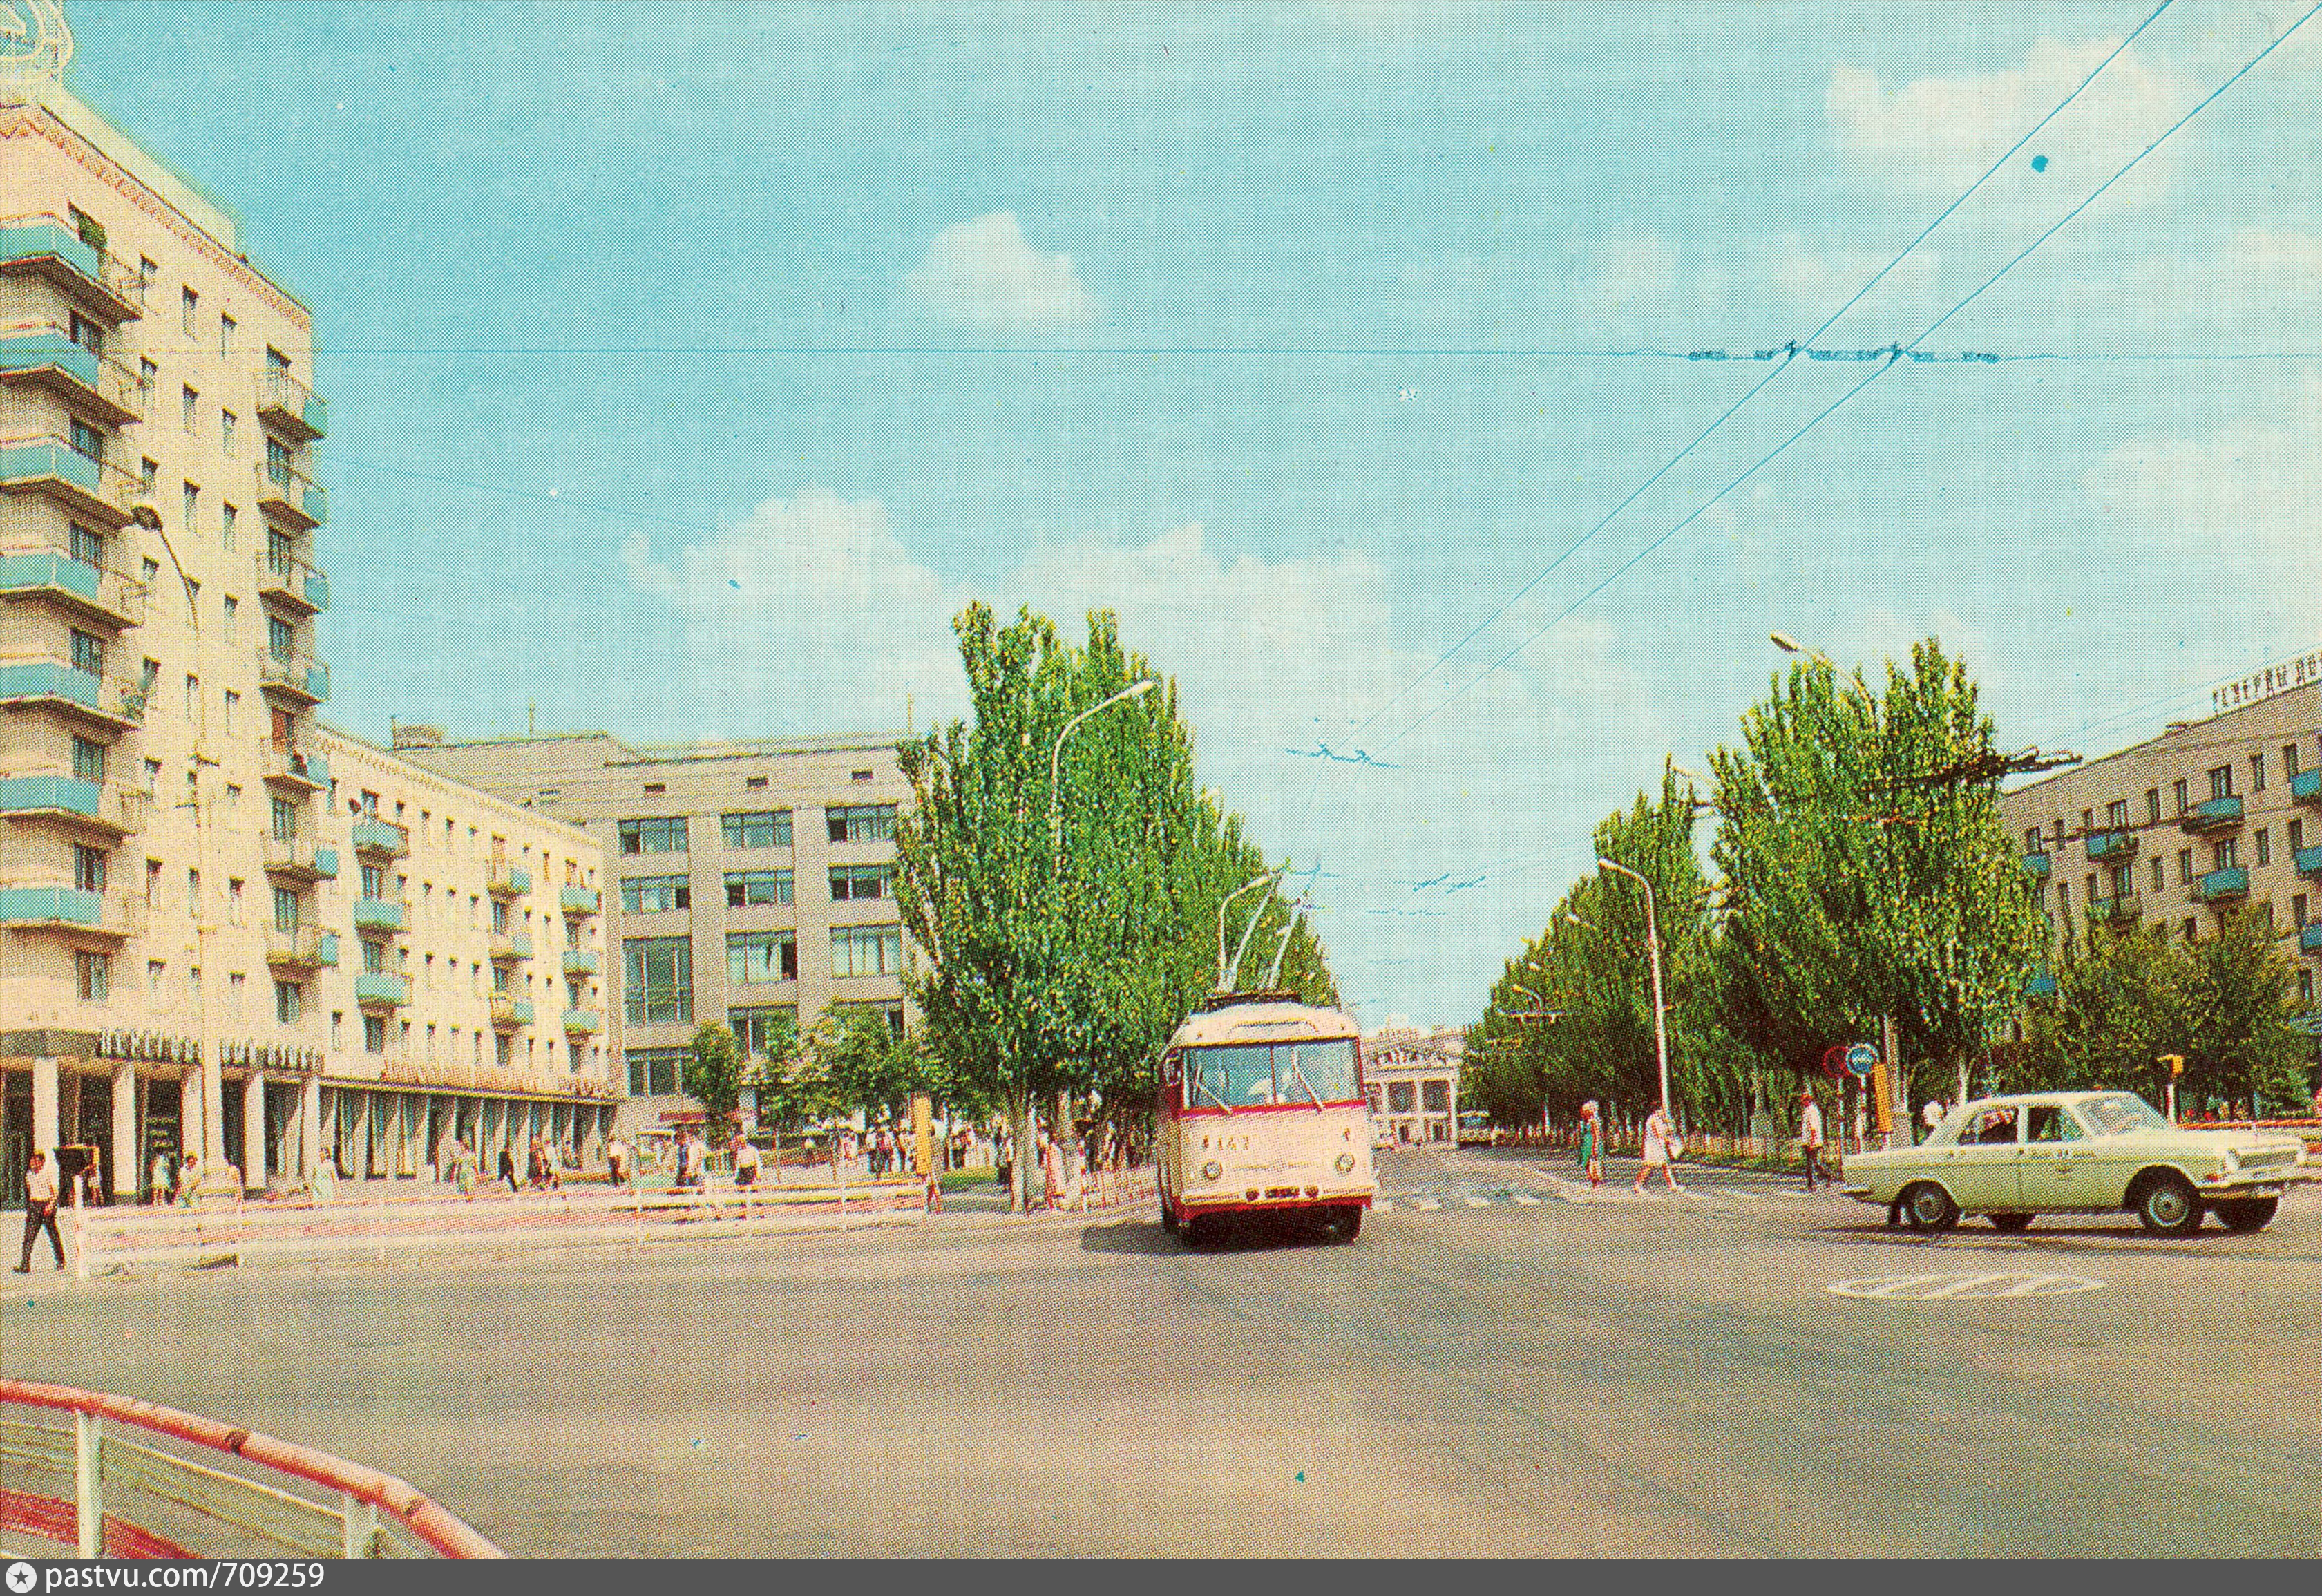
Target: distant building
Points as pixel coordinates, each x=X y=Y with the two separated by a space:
x=751 y=881
x=1412 y=1077
x=2211 y=816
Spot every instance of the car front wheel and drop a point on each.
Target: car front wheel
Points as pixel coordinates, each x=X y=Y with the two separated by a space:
x=2249 y=1214
x=1929 y=1207
x=2170 y=1207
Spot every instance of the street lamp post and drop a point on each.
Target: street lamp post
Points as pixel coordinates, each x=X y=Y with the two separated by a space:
x=1653 y=944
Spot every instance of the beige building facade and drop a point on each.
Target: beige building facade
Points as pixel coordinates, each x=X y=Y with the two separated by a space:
x=2210 y=817
x=1413 y=1080
x=748 y=881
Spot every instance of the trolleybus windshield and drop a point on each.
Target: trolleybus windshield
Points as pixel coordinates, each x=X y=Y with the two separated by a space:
x=1236 y=1076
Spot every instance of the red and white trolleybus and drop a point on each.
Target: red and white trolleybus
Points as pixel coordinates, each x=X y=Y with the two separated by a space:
x=1262 y=1111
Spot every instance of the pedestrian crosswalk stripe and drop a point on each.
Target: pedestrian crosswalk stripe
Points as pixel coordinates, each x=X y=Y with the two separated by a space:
x=1475 y=1202
x=1527 y=1200
x=1425 y=1203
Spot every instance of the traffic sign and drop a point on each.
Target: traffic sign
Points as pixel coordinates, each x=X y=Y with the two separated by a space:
x=1833 y=1060
x=1862 y=1059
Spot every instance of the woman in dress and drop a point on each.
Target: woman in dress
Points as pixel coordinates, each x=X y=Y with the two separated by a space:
x=1659 y=1140
x=1592 y=1144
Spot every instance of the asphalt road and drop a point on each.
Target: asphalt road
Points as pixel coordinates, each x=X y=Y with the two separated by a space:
x=1487 y=1376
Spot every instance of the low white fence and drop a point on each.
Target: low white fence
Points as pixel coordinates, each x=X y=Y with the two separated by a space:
x=231 y=1231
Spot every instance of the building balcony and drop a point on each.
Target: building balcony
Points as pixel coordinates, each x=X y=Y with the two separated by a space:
x=88 y=487
x=382 y=915
x=294 y=858
x=2308 y=861
x=2116 y=910
x=289 y=766
x=84 y=381
x=2306 y=787
x=291 y=408
x=52 y=683
x=106 y=808
x=301 y=947
x=71 y=911
x=578 y=900
x=510 y=946
x=582 y=961
x=2036 y=863
x=48 y=247
x=376 y=836
x=2309 y=937
x=290 y=496
x=2111 y=845
x=2220 y=886
x=583 y=1022
x=2212 y=815
x=508 y=881
x=2042 y=985
x=92 y=591
x=299 y=678
x=509 y=1011
x=378 y=989
x=290 y=582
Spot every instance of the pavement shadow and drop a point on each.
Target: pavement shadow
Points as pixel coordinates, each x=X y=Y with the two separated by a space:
x=1148 y=1238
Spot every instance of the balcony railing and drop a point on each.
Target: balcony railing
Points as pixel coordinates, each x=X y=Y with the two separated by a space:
x=2308 y=861
x=2113 y=910
x=508 y=881
x=118 y=704
x=582 y=961
x=2221 y=886
x=87 y=381
x=59 y=577
x=2111 y=845
x=289 y=494
x=510 y=945
x=2309 y=937
x=578 y=900
x=72 y=910
x=106 y=806
x=2036 y=864
x=2306 y=787
x=296 y=858
x=288 y=580
x=384 y=914
x=51 y=247
x=85 y=484
x=583 y=1022
x=289 y=765
x=294 y=675
x=509 y=1011
x=372 y=835
x=290 y=406
x=379 y=988
x=308 y=946
x=2212 y=815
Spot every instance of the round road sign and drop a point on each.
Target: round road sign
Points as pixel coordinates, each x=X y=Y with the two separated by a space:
x=1862 y=1059
x=1964 y=1286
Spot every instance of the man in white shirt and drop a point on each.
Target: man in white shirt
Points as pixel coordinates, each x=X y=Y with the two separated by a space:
x=40 y=1211
x=1932 y=1115
x=1810 y=1137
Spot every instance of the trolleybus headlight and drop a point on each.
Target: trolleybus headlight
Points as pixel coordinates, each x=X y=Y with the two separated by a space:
x=1212 y=1169
x=1345 y=1163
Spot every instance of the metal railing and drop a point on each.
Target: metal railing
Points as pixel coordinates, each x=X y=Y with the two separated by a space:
x=58 y=571
x=291 y=492
x=376 y=1515
x=279 y=394
x=43 y=459
x=31 y=237
x=32 y=346
x=291 y=577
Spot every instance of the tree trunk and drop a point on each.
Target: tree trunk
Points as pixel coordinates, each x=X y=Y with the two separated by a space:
x=1020 y=1129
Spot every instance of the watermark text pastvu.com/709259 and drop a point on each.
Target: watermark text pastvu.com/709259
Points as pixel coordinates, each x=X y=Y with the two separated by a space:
x=224 y=1574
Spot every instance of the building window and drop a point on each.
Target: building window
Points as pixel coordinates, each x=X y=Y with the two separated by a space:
x=664 y=835
x=2297 y=911
x=2257 y=772
x=656 y=1072
x=754 y=783
x=2305 y=986
x=849 y=882
x=2263 y=847
x=226 y=431
x=656 y=789
x=758 y=829
x=189 y=403
x=281 y=638
x=88 y=760
x=2221 y=782
x=2288 y=761
x=188 y=307
x=286 y=819
x=866 y=950
x=656 y=895
x=2153 y=805
x=745 y=887
x=87 y=441
x=94 y=973
x=2178 y=792
x=374 y=1034
x=233 y=703
x=756 y=957
x=758 y=1029
x=2117 y=813
x=2297 y=835
x=225 y=335
x=2222 y=854
x=2031 y=839
x=374 y=958
x=88 y=653
x=286 y=1002
x=2192 y=931
x=658 y=989
x=1400 y=1099
x=2184 y=867
x=2160 y=875
x=861 y=823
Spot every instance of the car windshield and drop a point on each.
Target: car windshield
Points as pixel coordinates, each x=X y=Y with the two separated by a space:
x=1244 y=1073
x=2116 y=1112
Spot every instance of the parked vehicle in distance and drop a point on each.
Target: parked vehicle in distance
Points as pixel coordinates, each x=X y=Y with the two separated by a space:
x=2079 y=1152
x=1476 y=1129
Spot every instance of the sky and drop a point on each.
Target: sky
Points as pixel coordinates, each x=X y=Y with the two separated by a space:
x=690 y=365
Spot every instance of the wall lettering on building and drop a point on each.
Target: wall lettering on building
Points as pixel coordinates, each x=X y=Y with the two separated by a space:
x=2265 y=683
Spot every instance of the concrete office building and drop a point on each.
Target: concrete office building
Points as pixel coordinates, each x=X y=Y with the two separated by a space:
x=170 y=832
x=1413 y=1080
x=2210 y=817
x=753 y=879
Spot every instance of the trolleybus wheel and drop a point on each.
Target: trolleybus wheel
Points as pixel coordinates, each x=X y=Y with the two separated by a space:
x=1346 y=1223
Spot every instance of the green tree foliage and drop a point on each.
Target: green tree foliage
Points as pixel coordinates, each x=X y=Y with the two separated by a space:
x=1867 y=869
x=868 y=1066
x=1067 y=929
x=715 y=1077
x=2223 y=1004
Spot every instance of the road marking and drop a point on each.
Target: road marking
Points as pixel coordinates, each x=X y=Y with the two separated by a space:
x=1480 y=1202
x=1964 y=1285
x=1428 y=1203
x=1527 y=1199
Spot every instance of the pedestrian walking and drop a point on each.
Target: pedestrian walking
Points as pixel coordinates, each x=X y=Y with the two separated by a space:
x=159 y=1190
x=746 y=1161
x=463 y=1167
x=1810 y=1137
x=616 y=1160
x=189 y=1179
x=1592 y=1144
x=1661 y=1146
x=507 y=1167
x=40 y=1210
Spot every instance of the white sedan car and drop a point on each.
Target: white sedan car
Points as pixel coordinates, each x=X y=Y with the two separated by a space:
x=2081 y=1153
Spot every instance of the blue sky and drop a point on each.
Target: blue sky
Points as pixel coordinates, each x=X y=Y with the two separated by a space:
x=691 y=364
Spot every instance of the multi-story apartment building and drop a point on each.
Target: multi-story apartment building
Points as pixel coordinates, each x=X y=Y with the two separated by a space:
x=170 y=832
x=752 y=879
x=2209 y=817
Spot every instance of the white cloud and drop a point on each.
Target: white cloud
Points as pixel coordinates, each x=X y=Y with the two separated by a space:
x=1933 y=136
x=984 y=275
x=1628 y=278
